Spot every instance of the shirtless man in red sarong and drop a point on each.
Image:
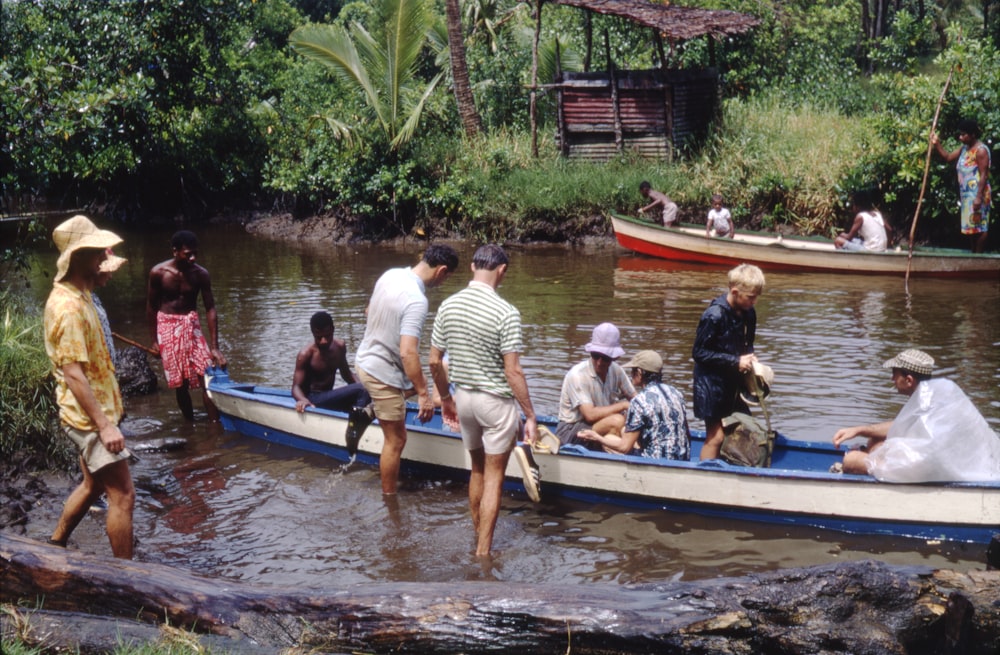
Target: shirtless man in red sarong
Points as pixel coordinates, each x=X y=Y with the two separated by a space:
x=174 y=325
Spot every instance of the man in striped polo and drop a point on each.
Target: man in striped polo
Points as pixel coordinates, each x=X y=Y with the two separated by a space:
x=481 y=332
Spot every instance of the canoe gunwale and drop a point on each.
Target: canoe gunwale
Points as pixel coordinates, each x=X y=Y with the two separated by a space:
x=750 y=494
x=795 y=254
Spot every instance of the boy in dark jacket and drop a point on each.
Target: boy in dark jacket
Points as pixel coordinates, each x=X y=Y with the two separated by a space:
x=723 y=351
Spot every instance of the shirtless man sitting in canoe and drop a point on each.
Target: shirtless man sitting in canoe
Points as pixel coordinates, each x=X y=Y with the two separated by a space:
x=316 y=369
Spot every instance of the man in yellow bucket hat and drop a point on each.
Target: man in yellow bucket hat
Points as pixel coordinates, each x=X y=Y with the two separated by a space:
x=90 y=402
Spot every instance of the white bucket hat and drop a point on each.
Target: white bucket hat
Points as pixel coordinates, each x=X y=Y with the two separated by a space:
x=606 y=340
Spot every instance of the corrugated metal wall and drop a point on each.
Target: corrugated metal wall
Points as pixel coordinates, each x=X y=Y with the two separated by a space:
x=658 y=112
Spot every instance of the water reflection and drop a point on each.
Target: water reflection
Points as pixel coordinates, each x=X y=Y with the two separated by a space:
x=236 y=506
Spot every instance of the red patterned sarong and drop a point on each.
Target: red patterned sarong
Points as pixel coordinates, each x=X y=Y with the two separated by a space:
x=183 y=349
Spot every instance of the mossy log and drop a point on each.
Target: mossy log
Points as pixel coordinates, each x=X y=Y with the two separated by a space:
x=856 y=607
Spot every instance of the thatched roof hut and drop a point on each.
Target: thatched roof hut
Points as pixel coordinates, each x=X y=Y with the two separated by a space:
x=650 y=112
x=673 y=22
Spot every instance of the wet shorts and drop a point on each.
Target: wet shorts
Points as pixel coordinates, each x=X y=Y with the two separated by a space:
x=390 y=402
x=488 y=421
x=94 y=454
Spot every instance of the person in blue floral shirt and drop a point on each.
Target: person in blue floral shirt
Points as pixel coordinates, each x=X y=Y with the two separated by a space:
x=656 y=424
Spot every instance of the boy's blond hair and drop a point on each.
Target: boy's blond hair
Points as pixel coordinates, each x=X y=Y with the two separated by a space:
x=747 y=278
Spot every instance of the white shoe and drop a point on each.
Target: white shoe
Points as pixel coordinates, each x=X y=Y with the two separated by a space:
x=529 y=471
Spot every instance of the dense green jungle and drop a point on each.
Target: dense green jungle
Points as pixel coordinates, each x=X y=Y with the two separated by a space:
x=364 y=112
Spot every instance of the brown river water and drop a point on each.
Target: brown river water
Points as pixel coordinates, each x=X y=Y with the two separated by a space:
x=235 y=506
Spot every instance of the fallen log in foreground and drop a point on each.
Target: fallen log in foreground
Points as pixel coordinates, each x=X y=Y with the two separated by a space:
x=856 y=607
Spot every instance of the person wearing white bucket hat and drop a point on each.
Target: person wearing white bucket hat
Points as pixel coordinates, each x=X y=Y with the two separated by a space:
x=90 y=402
x=596 y=392
x=656 y=424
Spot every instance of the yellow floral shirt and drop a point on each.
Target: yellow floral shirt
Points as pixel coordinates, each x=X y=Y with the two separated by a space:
x=73 y=334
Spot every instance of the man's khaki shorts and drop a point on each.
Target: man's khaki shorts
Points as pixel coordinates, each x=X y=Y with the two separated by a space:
x=488 y=421
x=390 y=402
x=94 y=454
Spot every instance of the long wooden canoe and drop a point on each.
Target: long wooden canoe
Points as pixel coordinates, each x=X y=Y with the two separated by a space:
x=775 y=252
x=798 y=488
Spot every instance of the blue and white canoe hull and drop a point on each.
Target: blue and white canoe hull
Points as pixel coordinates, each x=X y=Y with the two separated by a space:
x=797 y=489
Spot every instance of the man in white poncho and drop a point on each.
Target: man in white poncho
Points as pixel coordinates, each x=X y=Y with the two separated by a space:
x=938 y=436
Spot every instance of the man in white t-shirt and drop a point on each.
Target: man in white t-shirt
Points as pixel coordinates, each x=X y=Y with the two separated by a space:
x=388 y=359
x=869 y=232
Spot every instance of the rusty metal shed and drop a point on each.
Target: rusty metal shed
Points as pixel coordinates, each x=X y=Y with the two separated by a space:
x=651 y=112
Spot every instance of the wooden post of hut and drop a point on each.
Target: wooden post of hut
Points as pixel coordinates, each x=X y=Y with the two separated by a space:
x=641 y=118
x=560 y=116
x=668 y=115
x=533 y=103
x=616 y=108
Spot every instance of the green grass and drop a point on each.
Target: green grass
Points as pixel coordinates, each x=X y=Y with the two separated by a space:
x=170 y=641
x=774 y=164
x=27 y=403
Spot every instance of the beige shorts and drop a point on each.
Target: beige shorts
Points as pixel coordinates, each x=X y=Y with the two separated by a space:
x=390 y=402
x=488 y=421
x=94 y=454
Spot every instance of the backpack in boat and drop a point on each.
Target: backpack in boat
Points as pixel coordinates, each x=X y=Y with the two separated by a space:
x=746 y=441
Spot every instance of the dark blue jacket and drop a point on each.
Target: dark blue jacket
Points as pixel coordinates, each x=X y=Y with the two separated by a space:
x=723 y=335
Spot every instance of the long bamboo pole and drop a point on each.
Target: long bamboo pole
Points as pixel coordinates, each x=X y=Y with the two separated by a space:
x=134 y=343
x=923 y=184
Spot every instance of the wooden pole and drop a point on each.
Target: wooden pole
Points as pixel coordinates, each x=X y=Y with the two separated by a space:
x=532 y=102
x=923 y=184
x=134 y=343
x=616 y=109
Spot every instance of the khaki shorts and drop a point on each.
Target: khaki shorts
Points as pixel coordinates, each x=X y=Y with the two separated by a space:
x=94 y=454
x=390 y=402
x=488 y=421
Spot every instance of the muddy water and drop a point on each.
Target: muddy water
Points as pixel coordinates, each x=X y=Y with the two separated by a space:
x=235 y=506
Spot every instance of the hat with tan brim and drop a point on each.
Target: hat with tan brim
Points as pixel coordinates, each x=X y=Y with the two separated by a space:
x=757 y=383
x=112 y=263
x=77 y=233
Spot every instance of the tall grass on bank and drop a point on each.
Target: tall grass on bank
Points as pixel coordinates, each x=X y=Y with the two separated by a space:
x=775 y=164
x=27 y=404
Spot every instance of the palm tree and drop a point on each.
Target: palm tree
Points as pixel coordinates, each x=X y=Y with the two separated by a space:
x=386 y=74
x=471 y=121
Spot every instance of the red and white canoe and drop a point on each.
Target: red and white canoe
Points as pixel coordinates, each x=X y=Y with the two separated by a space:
x=774 y=252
